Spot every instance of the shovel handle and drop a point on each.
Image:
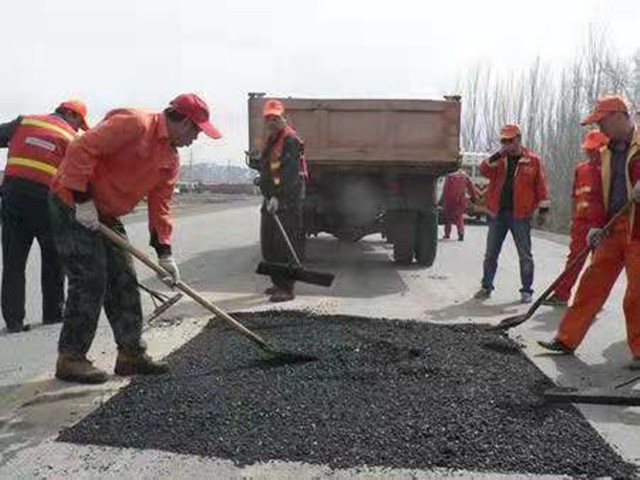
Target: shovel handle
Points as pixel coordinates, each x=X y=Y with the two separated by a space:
x=121 y=242
x=511 y=322
x=286 y=239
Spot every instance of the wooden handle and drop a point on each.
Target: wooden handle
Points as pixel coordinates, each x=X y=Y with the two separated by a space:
x=122 y=242
x=287 y=240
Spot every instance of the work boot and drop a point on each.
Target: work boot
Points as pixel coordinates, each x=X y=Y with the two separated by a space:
x=526 y=297
x=281 y=296
x=482 y=294
x=19 y=328
x=555 y=346
x=634 y=364
x=76 y=368
x=461 y=237
x=270 y=290
x=446 y=237
x=138 y=363
x=555 y=301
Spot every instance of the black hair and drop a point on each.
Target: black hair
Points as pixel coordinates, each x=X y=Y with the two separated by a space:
x=174 y=115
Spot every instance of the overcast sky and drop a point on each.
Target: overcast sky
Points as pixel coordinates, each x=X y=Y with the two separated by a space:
x=141 y=53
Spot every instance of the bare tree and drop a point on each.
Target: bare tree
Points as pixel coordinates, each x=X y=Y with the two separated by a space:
x=548 y=105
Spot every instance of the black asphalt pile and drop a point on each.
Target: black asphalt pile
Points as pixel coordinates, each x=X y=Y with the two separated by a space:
x=383 y=393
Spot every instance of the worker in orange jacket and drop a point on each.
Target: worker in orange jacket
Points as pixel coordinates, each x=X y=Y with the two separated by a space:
x=457 y=186
x=620 y=248
x=37 y=144
x=587 y=210
x=105 y=173
x=517 y=189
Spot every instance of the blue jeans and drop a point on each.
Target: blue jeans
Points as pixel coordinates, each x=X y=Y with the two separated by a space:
x=521 y=232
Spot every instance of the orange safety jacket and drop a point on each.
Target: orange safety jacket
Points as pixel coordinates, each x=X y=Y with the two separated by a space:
x=126 y=157
x=529 y=184
x=587 y=194
x=37 y=147
x=601 y=185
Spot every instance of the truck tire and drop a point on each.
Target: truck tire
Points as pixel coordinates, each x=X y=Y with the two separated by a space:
x=426 y=237
x=403 y=237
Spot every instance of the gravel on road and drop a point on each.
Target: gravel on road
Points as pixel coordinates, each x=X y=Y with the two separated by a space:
x=383 y=393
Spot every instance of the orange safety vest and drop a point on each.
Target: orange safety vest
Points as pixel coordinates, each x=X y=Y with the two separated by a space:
x=274 y=161
x=37 y=147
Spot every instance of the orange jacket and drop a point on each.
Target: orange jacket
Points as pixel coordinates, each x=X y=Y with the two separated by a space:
x=124 y=158
x=588 y=206
x=457 y=186
x=37 y=147
x=529 y=184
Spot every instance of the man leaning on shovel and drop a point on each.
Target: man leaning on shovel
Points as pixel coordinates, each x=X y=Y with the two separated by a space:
x=620 y=248
x=282 y=185
x=104 y=175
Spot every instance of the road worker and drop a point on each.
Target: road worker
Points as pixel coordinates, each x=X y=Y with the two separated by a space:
x=517 y=188
x=620 y=248
x=587 y=210
x=37 y=144
x=105 y=173
x=457 y=186
x=282 y=185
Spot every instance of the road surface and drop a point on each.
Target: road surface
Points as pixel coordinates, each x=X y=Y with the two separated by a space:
x=217 y=248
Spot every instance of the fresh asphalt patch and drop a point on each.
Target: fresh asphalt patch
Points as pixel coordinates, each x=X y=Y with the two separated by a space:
x=385 y=393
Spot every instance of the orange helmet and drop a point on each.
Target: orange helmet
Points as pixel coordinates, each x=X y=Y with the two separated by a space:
x=509 y=131
x=273 y=107
x=78 y=107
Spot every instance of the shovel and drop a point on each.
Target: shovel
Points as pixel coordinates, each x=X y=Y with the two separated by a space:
x=161 y=302
x=282 y=356
x=295 y=270
x=516 y=320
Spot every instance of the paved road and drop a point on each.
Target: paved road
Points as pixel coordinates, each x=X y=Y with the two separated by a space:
x=218 y=252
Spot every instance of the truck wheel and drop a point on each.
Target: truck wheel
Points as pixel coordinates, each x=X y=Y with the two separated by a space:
x=426 y=237
x=403 y=237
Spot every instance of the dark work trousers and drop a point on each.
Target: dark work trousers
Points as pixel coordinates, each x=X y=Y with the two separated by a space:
x=25 y=217
x=273 y=245
x=99 y=274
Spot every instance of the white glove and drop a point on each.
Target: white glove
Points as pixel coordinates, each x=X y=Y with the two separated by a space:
x=87 y=215
x=272 y=205
x=169 y=264
x=635 y=193
x=595 y=236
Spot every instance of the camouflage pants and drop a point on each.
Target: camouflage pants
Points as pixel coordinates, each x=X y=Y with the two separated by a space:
x=99 y=274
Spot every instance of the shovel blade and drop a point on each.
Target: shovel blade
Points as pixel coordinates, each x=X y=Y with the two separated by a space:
x=507 y=323
x=293 y=272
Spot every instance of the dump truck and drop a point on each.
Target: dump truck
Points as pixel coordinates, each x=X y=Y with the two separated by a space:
x=373 y=166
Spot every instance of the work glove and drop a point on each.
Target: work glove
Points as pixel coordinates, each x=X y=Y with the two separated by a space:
x=541 y=219
x=169 y=264
x=635 y=193
x=595 y=236
x=272 y=205
x=87 y=215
